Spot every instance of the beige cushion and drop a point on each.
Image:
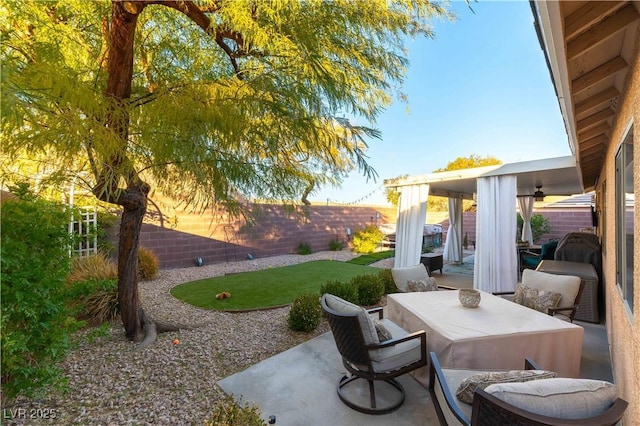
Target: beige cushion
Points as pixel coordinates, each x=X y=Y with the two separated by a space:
x=562 y=398
x=366 y=322
x=414 y=273
x=539 y=300
x=567 y=285
x=481 y=380
x=428 y=284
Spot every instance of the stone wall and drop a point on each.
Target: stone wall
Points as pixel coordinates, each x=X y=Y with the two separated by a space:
x=178 y=237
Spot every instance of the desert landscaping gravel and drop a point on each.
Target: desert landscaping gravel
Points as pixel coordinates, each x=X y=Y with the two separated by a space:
x=112 y=383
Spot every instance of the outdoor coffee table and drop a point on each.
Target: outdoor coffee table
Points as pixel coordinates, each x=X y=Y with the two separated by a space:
x=498 y=334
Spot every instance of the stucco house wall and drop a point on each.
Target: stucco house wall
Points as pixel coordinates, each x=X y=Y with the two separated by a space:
x=623 y=326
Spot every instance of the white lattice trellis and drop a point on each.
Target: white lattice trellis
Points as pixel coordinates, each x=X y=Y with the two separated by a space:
x=84 y=228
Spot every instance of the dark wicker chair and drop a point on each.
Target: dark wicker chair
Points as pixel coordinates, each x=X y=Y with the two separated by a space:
x=487 y=410
x=374 y=362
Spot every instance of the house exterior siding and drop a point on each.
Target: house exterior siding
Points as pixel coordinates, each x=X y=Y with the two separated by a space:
x=623 y=327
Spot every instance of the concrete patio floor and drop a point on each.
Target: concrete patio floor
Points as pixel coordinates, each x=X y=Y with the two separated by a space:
x=298 y=386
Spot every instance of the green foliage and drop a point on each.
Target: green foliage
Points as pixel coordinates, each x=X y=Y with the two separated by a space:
x=370 y=289
x=147 y=264
x=35 y=321
x=387 y=280
x=539 y=226
x=336 y=244
x=465 y=241
x=305 y=313
x=367 y=240
x=470 y=162
x=342 y=289
x=304 y=248
x=106 y=221
x=228 y=413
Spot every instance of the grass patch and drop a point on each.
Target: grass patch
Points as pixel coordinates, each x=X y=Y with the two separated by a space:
x=368 y=259
x=267 y=288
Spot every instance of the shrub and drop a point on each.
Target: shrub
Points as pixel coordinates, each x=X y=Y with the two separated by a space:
x=101 y=306
x=370 y=289
x=35 y=324
x=147 y=264
x=341 y=289
x=95 y=267
x=228 y=413
x=304 y=248
x=539 y=226
x=367 y=240
x=387 y=281
x=336 y=245
x=306 y=313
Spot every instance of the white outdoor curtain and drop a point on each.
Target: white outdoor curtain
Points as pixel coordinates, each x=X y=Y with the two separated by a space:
x=526 y=210
x=412 y=215
x=495 y=266
x=452 y=244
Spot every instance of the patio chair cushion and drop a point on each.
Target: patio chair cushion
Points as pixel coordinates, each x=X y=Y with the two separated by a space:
x=482 y=380
x=428 y=284
x=394 y=357
x=567 y=285
x=402 y=275
x=366 y=322
x=540 y=300
x=564 y=398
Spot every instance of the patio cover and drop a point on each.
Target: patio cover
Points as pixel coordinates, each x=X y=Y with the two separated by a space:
x=556 y=176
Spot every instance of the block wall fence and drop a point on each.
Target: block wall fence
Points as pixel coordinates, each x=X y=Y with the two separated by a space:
x=179 y=237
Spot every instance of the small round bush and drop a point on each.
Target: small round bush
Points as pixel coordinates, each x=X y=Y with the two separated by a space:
x=387 y=280
x=367 y=240
x=306 y=313
x=341 y=289
x=147 y=264
x=336 y=245
x=370 y=289
x=94 y=267
x=304 y=248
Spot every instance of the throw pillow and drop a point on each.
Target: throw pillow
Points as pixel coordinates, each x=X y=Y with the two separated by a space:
x=518 y=295
x=562 y=397
x=428 y=284
x=382 y=331
x=540 y=300
x=481 y=380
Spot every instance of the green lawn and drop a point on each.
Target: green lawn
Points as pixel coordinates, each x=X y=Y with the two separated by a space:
x=268 y=287
x=368 y=259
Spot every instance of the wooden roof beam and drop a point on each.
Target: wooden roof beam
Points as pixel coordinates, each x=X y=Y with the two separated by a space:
x=602 y=31
x=586 y=15
x=599 y=141
x=597 y=74
x=594 y=119
x=597 y=100
x=601 y=128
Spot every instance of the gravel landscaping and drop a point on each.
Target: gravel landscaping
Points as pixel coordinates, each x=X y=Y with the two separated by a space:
x=110 y=383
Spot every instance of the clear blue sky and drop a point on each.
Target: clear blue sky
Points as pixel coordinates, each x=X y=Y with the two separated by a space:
x=480 y=87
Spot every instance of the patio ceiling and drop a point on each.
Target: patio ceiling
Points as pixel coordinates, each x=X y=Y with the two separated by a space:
x=556 y=176
x=589 y=45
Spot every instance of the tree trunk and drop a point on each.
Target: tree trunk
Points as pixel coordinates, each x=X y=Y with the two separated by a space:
x=128 y=298
x=134 y=198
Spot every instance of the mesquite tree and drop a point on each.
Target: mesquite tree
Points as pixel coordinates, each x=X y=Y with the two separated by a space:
x=204 y=100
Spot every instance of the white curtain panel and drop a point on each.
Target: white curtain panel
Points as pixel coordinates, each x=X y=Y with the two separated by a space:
x=495 y=266
x=412 y=215
x=452 y=245
x=526 y=211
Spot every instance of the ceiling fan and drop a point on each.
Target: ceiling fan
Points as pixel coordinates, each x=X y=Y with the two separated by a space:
x=538 y=195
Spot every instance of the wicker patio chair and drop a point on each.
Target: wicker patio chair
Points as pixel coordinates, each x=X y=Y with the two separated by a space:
x=488 y=409
x=366 y=357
